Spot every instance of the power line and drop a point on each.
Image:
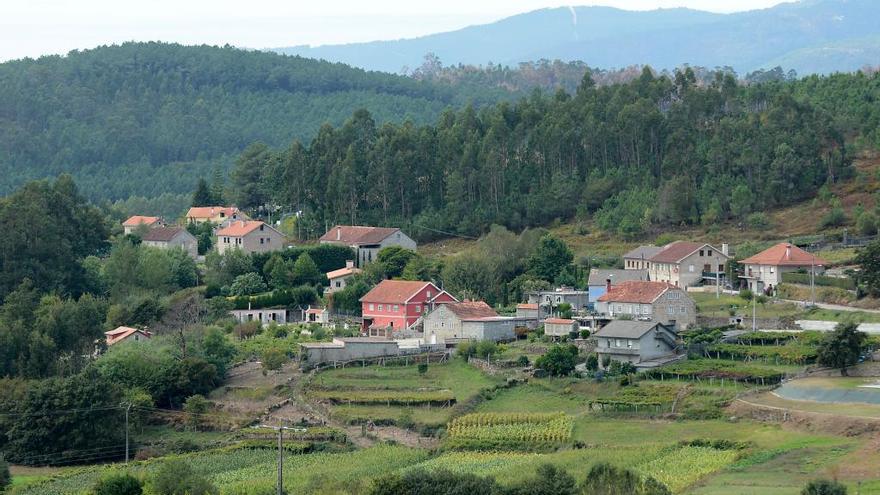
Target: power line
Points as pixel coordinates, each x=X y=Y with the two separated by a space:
x=64 y=411
x=445 y=233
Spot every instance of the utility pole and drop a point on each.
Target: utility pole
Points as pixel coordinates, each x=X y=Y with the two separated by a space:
x=754 y=312
x=812 y=280
x=280 y=429
x=127 y=409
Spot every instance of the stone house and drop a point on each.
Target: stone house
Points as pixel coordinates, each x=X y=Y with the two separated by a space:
x=172 y=238
x=339 y=278
x=549 y=300
x=469 y=320
x=684 y=264
x=265 y=316
x=642 y=343
x=639 y=258
x=126 y=334
x=649 y=301
x=559 y=327
x=251 y=236
x=367 y=241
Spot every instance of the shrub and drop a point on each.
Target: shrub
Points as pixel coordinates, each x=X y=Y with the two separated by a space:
x=522 y=361
x=606 y=479
x=585 y=334
x=195 y=407
x=593 y=362
x=118 y=484
x=866 y=224
x=247 y=285
x=176 y=477
x=823 y=487
x=273 y=359
x=559 y=360
x=746 y=295
x=758 y=221
x=423 y=368
x=834 y=218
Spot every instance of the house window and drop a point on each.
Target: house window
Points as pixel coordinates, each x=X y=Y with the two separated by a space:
x=261 y=240
x=682 y=310
x=261 y=228
x=670 y=310
x=418 y=309
x=338 y=284
x=629 y=344
x=558 y=299
x=709 y=253
x=372 y=307
x=380 y=307
x=268 y=239
x=428 y=294
x=691 y=268
x=771 y=269
x=618 y=343
x=396 y=308
x=701 y=252
x=720 y=268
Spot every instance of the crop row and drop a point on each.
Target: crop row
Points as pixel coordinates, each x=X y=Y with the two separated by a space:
x=491 y=431
x=684 y=466
x=789 y=354
x=387 y=397
x=493 y=419
x=717 y=368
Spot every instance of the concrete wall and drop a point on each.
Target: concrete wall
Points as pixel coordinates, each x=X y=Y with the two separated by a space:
x=342 y=350
x=496 y=330
x=264 y=316
x=559 y=330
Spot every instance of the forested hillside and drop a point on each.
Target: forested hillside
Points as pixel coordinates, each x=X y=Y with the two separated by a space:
x=150 y=118
x=653 y=152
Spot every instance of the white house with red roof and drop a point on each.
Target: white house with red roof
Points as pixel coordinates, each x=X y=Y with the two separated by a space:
x=220 y=215
x=395 y=305
x=648 y=301
x=339 y=278
x=683 y=263
x=126 y=334
x=251 y=236
x=138 y=221
x=367 y=241
x=764 y=270
x=469 y=320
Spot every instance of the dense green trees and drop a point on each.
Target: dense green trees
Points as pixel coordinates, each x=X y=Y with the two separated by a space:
x=842 y=347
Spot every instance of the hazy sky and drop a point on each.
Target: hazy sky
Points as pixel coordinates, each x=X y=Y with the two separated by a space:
x=30 y=28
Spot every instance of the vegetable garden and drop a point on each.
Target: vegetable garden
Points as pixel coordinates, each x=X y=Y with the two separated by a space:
x=509 y=431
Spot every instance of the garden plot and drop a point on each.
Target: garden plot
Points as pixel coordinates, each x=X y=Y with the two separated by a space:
x=509 y=431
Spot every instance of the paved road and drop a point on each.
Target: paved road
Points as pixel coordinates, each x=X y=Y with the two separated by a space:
x=833 y=307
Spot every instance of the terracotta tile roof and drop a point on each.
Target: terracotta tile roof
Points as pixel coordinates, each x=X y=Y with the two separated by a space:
x=643 y=252
x=784 y=254
x=315 y=311
x=357 y=234
x=343 y=272
x=208 y=212
x=121 y=333
x=558 y=321
x=635 y=291
x=395 y=291
x=162 y=234
x=598 y=276
x=527 y=306
x=139 y=220
x=471 y=310
x=241 y=228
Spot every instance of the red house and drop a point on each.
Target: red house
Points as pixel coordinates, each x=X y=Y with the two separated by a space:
x=394 y=305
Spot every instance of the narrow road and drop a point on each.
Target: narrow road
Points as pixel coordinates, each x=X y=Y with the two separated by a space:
x=832 y=307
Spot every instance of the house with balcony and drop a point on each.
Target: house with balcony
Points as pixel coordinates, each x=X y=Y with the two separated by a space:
x=685 y=264
x=763 y=271
x=393 y=306
x=549 y=300
x=646 y=344
x=649 y=301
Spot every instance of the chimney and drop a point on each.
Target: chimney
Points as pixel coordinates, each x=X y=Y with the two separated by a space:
x=338 y=233
x=788 y=251
x=607 y=285
x=349 y=263
x=725 y=249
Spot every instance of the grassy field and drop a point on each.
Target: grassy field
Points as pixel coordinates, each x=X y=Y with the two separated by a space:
x=709 y=305
x=462 y=380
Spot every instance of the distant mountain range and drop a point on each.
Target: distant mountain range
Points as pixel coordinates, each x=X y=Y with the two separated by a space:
x=809 y=36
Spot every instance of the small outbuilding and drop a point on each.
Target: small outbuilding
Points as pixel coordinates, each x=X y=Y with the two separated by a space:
x=126 y=334
x=560 y=327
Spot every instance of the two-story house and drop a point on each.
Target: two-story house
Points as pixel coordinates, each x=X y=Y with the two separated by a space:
x=395 y=305
x=138 y=221
x=683 y=263
x=220 y=215
x=367 y=241
x=549 y=300
x=469 y=320
x=649 y=301
x=172 y=238
x=339 y=278
x=599 y=279
x=251 y=236
x=644 y=343
x=764 y=270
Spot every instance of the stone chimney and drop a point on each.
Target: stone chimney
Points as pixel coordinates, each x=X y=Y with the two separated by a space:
x=607 y=285
x=338 y=233
x=788 y=251
x=349 y=263
x=725 y=249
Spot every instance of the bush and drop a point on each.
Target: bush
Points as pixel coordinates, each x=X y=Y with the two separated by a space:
x=195 y=407
x=823 y=487
x=585 y=334
x=866 y=224
x=423 y=368
x=606 y=479
x=746 y=295
x=118 y=484
x=247 y=285
x=593 y=362
x=559 y=360
x=522 y=361
x=176 y=477
x=273 y=359
x=758 y=221
x=834 y=218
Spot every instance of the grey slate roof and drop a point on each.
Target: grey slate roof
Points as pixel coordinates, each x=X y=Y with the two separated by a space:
x=643 y=252
x=626 y=329
x=161 y=234
x=598 y=276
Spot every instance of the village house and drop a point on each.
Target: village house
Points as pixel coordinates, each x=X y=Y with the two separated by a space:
x=126 y=334
x=646 y=344
x=639 y=258
x=470 y=320
x=763 y=271
x=549 y=300
x=220 y=215
x=599 y=279
x=684 y=264
x=266 y=316
x=172 y=238
x=251 y=236
x=649 y=301
x=367 y=241
x=560 y=327
x=339 y=278
x=136 y=222
x=527 y=310
x=396 y=305
x=318 y=316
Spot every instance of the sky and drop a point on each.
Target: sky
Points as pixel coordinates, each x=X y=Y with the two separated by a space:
x=30 y=28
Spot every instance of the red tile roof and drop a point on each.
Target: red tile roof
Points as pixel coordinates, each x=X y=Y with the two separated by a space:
x=140 y=220
x=395 y=291
x=357 y=234
x=527 y=306
x=784 y=254
x=121 y=333
x=471 y=310
x=676 y=251
x=342 y=272
x=635 y=291
x=240 y=228
x=208 y=212
x=558 y=321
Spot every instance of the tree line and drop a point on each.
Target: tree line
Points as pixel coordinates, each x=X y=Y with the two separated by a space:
x=636 y=156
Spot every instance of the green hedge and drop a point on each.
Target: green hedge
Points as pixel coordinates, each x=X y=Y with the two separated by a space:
x=804 y=279
x=298 y=296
